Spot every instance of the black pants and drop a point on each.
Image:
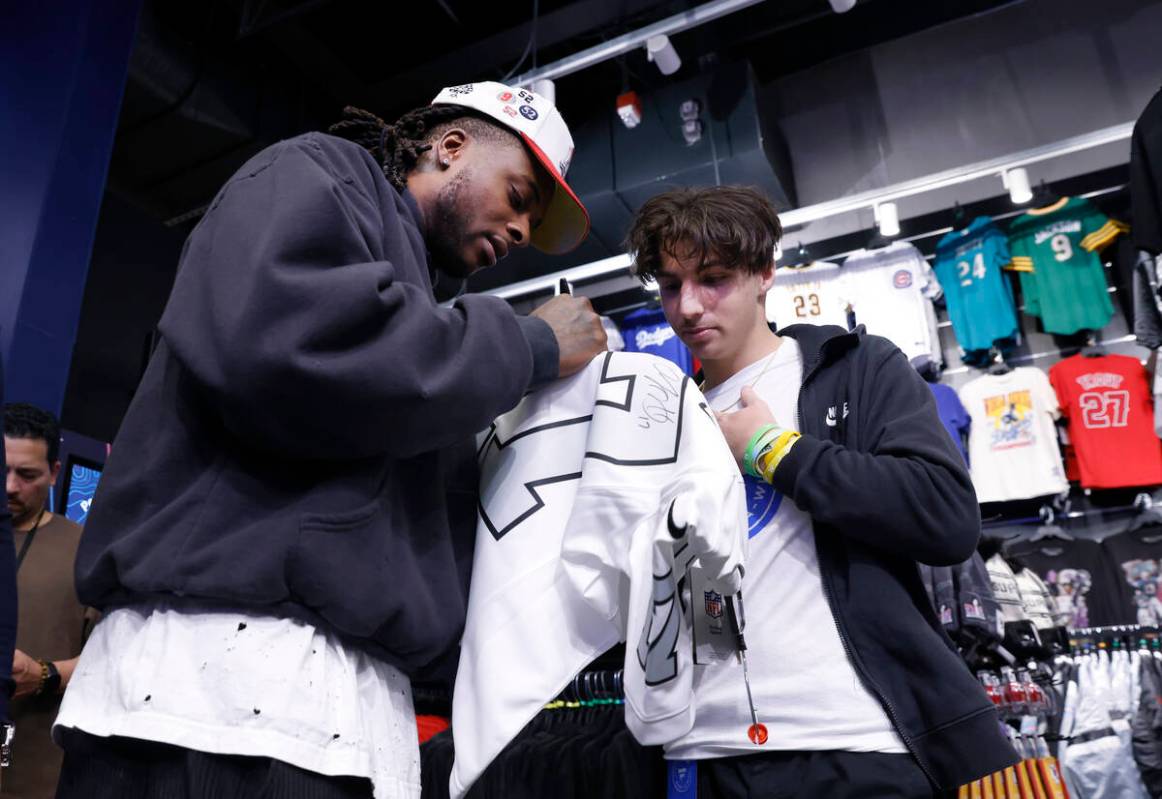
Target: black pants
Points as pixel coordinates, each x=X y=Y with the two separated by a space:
x=127 y=768
x=814 y=775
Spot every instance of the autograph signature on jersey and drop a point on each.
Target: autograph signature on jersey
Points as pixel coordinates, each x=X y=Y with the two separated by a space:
x=662 y=397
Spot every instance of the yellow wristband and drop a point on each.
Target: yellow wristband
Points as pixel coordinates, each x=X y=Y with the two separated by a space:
x=772 y=458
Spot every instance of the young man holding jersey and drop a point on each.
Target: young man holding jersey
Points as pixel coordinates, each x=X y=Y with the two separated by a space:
x=850 y=481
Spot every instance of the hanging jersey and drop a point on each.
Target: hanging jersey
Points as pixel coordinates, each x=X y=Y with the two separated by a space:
x=646 y=330
x=953 y=415
x=1108 y=405
x=891 y=291
x=1062 y=278
x=596 y=494
x=1005 y=589
x=1036 y=599
x=812 y=294
x=1013 y=445
x=805 y=689
x=969 y=266
x=979 y=612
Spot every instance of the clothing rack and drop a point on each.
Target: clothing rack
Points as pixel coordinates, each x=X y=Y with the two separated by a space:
x=1142 y=502
x=1118 y=636
x=595 y=688
x=869 y=200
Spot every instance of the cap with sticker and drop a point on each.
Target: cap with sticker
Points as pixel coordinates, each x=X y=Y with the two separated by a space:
x=542 y=128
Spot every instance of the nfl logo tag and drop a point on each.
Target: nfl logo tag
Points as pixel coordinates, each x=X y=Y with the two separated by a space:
x=902 y=279
x=714 y=610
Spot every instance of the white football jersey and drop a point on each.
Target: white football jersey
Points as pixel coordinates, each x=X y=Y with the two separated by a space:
x=811 y=294
x=597 y=493
x=891 y=290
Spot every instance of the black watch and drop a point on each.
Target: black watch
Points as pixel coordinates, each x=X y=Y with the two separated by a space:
x=52 y=682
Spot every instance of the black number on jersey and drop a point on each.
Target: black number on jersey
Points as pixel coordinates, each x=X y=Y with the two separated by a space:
x=807 y=305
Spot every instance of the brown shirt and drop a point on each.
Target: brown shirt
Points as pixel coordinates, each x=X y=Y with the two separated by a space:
x=51 y=626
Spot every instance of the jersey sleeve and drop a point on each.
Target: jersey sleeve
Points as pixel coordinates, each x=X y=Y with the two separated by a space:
x=963 y=419
x=929 y=285
x=1056 y=384
x=1044 y=390
x=1029 y=292
x=1020 y=258
x=1099 y=230
x=997 y=251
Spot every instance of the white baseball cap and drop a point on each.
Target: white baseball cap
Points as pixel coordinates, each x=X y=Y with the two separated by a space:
x=538 y=122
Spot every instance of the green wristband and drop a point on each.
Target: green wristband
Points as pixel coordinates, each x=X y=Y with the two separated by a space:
x=748 y=456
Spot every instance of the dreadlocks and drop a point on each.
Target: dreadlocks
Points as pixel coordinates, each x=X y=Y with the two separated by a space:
x=398 y=146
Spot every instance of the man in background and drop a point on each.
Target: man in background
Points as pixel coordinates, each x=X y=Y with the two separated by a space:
x=51 y=619
x=7 y=605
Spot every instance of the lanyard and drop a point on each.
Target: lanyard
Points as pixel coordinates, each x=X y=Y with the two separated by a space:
x=28 y=540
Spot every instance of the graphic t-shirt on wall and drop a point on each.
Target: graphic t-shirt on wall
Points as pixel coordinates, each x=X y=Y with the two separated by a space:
x=1062 y=278
x=1013 y=444
x=1136 y=558
x=1079 y=576
x=646 y=330
x=969 y=266
x=1110 y=410
x=812 y=294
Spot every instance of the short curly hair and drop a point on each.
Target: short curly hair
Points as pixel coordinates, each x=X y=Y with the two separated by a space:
x=737 y=225
x=22 y=420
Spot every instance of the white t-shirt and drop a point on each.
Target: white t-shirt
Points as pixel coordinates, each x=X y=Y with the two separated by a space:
x=805 y=690
x=812 y=294
x=891 y=290
x=242 y=684
x=1013 y=444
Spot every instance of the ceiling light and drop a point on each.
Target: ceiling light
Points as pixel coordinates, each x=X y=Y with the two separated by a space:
x=1017 y=182
x=842 y=6
x=661 y=52
x=888 y=219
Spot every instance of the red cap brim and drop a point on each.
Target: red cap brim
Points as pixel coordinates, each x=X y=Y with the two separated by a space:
x=566 y=222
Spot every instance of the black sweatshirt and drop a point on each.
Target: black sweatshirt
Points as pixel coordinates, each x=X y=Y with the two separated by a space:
x=301 y=442
x=885 y=487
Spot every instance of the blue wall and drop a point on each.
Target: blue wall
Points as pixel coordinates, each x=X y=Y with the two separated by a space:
x=62 y=73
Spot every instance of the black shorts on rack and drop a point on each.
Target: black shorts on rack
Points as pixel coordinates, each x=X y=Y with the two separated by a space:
x=128 y=768
x=814 y=775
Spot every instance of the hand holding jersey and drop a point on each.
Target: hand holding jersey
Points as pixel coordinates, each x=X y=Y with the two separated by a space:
x=577 y=328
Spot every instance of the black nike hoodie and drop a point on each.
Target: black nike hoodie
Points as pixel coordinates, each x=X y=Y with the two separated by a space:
x=885 y=487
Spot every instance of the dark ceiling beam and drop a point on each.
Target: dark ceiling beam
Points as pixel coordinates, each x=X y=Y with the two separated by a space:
x=488 y=56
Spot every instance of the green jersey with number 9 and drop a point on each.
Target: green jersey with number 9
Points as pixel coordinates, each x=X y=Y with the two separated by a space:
x=1055 y=251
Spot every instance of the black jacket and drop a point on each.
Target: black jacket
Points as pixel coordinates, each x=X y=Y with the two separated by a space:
x=885 y=487
x=301 y=442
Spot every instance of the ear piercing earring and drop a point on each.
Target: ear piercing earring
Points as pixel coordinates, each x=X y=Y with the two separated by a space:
x=445 y=162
